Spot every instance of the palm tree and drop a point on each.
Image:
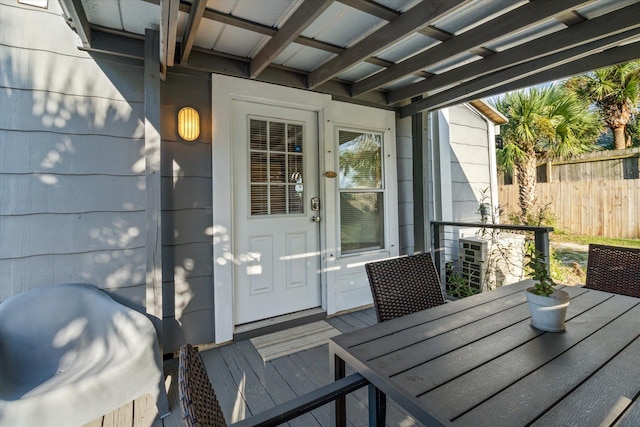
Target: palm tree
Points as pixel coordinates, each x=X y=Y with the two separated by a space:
x=544 y=122
x=615 y=91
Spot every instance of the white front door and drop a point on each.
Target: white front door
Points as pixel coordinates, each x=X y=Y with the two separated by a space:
x=276 y=230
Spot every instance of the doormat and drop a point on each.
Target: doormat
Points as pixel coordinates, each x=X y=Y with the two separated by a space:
x=282 y=343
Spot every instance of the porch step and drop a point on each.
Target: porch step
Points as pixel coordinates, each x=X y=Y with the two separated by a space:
x=279 y=323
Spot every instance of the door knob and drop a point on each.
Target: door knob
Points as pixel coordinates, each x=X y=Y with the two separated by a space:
x=315 y=218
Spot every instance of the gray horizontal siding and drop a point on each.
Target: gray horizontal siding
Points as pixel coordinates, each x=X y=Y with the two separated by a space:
x=186 y=226
x=71 y=160
x=192 y=294
x=30 y=235
x=186 y=192
x=187 y=219
x=114 y=269
x=187 y=261
x=75 y=194
x=35 y=110
x=183 y=159
x=55 y=152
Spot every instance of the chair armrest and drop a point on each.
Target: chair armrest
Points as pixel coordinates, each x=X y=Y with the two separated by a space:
x=294 y=408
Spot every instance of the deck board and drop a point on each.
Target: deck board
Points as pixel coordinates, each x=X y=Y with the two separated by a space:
x=245 y=384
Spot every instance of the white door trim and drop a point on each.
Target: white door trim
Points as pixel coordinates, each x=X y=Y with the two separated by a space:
x=224 y=90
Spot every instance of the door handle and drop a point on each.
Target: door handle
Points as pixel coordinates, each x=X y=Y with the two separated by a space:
x=315 y=218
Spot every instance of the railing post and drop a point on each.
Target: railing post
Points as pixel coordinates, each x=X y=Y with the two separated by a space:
x=541 y=238
x=542 y=245
x=437 y=249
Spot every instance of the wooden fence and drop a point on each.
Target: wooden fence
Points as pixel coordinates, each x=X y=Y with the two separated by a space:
x=608 y=208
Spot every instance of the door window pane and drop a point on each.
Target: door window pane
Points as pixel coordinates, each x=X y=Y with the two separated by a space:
x=361 y=191
x=361 y=222
x=275 y=167
x=360 y=159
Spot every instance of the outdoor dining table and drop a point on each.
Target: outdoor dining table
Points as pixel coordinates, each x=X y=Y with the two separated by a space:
x=479 y=362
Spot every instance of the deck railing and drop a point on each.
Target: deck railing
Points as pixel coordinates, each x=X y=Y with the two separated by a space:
x=444 y=234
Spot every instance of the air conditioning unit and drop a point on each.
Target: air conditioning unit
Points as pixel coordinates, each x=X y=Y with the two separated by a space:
x=488 y=263
x=473 y=255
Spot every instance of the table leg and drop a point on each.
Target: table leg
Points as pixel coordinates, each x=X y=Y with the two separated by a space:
x=339 y=371
x=377 y=407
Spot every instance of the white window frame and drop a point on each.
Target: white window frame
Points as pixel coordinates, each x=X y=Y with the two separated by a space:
x=383 y=190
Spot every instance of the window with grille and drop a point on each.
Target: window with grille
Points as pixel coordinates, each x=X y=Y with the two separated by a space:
x=276 y=171
x=361 y=191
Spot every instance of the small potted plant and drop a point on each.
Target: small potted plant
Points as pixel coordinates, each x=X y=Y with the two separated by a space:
x=548 y=305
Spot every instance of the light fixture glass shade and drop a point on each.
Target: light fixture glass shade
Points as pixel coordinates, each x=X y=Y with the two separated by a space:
x=188 y=124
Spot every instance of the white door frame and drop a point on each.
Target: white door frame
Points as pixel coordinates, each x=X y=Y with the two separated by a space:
x=224 y=91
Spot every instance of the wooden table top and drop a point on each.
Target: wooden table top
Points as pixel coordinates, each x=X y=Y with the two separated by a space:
x=478 y=361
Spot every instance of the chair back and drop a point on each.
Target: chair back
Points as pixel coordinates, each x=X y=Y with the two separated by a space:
x=198 y=401
x=614 y=269
x=404 y=285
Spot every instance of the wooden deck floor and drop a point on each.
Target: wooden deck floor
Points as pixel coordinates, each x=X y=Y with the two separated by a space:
x=246 y=385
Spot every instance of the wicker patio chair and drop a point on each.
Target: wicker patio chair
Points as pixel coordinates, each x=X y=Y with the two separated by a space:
x=404 y=285
x=200 y=406
x=614 y=269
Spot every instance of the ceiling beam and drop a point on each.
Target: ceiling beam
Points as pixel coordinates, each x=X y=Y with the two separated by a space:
x=270 y=31
x=606 y=58
x=383 y=12
x=191 y=28
x=510 y=77
x=304 y=15
x=579 y=34
x=74 y=11
x=403 y=25
x=515 y=20
x=203 y=61
x=131 y=46
x=168 y=31
x=372 y=8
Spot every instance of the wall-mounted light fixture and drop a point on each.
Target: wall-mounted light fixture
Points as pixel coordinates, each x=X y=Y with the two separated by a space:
x=188 y=124
x=499 y=142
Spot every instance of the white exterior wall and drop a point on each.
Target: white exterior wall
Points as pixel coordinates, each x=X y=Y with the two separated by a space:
x=461 y=165
x=404 y=150
x=470 y=163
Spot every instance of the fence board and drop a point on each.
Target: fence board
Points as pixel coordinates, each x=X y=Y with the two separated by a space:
x=592 y=208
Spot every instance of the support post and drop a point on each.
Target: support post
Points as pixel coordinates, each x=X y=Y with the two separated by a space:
x=152 y=150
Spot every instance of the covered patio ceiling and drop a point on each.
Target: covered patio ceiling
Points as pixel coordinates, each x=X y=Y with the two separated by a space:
x=410 y=55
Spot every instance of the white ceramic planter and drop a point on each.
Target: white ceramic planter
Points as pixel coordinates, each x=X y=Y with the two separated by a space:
x=548 y=313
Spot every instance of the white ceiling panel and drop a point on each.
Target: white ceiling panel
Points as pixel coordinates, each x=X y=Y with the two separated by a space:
x=138 y=16
x=602 y=7
x=208 y=33
x=239 y=42
x=475 y=13
x=106 y=14
x=224 y=6
x=359 y=71
x=342 y=25
x=271 y=13
x=398 y=5
x=515 y=39
x=454 y=62
x=405 y=81
x=407 y=47
x=302 y=57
